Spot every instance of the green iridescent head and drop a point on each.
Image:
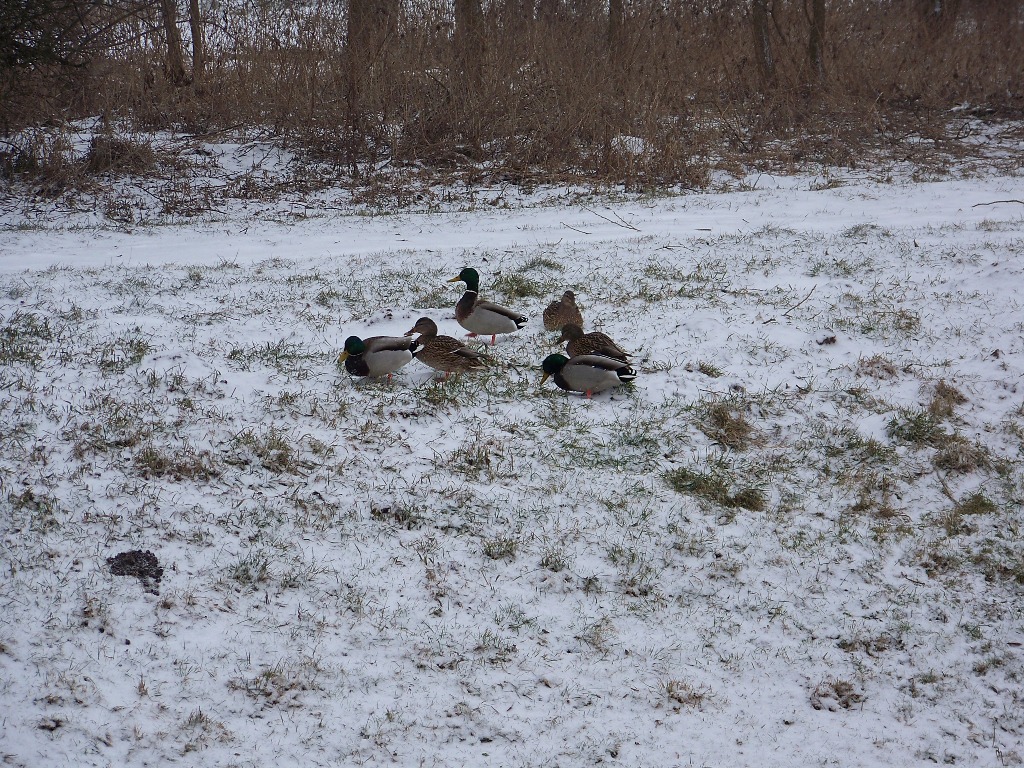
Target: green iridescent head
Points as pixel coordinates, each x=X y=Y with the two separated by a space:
x=353 y=346
x=552 y=364
x=470 y=277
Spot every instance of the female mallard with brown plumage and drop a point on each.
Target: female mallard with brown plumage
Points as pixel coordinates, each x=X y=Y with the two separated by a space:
x=480 y=317
x=586 y=373
x=443 y=353
x=376 y=356
x=595 y=343
x=562 y=312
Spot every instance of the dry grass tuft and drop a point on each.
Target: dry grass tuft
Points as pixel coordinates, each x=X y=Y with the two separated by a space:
x=944 y=400
x=833 y=695
x=960 y=456
x=728 y=426
x=877 y=367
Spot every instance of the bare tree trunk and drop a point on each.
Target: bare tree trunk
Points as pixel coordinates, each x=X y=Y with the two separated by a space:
x=940 y=15
x=370 y=25
x=195 y=21
x=763 y=42
x=469 y=39
x=816 y=45
x=547 y=10
x=175 y=58
x=615 y=13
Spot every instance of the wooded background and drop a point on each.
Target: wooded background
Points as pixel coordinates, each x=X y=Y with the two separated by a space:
x=548 y=87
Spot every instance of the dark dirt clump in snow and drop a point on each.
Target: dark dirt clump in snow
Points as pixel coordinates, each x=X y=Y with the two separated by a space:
x=143 y=565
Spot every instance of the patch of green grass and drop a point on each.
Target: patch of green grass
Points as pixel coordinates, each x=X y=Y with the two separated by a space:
x=273 y=450
x=480 y=457
x=284 y=356
x=106 y=424
x=554 y=558
x=753 y=499
x=681 y=694
x=598 y=634
x=847 y=441
x=251 y=570
x=541 y=262
x=501 y=548
x=875 y=496
x=41 y=508
x=514 y=285
x=23 y=336
x=976 y=504
x=917 y=427
x=124 y=351
x=714 y=486
x=837 y=267
x=180 y=464
x=494 y=648
x=431 y=296
x=407 y=516
x=860 y=231
x=279 y=684
x=326 y=297
x=637 y=574
x=710 y=370
x=1000 y=558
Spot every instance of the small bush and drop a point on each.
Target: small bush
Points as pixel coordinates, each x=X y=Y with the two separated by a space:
x=109 y=154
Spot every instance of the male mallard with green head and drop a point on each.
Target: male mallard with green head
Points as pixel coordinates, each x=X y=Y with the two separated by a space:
x=376 y=356
x=483 y=318
x=443 y=353
x=562 y=312
x=586 y=373
x=595 y=343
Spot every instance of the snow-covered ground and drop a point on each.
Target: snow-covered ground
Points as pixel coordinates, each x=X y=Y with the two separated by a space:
x=797 y=540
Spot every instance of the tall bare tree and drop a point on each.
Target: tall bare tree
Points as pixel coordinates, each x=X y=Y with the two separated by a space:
x=469 y=39
x=762 y=41
x=195 y=21
x=615 y=14
x=370 y=24
x=175 y=57
x=816 y=40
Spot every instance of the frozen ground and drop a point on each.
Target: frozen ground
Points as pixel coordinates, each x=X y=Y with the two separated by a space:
x=796 y=541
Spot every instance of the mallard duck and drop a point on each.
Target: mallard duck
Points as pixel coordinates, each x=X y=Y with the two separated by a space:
x=562 y=312
x=586 y=373
x=443 y=353
x=595 y=343
x=483 y=317
x=376 y=356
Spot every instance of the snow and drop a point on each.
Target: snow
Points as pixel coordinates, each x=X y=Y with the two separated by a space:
x=485 y=572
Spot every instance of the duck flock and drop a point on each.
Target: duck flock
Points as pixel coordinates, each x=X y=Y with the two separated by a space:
x=593 y=362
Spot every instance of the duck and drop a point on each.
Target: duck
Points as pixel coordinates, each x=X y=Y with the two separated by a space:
x=594 y=343
x=586 y=373
x=483 y=318
x=377 y=356
x=561 y=312
x=443 y=353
